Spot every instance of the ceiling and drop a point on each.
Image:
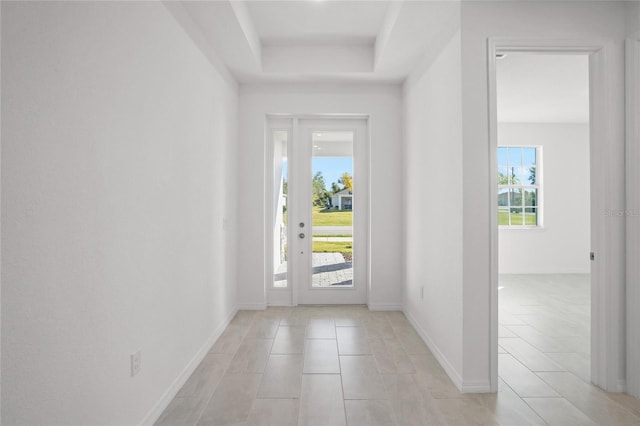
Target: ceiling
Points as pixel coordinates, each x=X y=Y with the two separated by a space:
x=375 y=41
x=311 y=40
x=535 y=88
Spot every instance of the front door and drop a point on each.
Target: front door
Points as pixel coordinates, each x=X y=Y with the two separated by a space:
x=326 y=212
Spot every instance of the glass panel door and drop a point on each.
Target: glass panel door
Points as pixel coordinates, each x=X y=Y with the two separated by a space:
x=331 y=211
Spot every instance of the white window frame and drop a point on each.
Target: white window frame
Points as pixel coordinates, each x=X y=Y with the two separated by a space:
x=538 y=186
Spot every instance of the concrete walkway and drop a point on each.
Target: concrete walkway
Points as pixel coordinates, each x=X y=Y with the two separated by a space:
x=329 y=269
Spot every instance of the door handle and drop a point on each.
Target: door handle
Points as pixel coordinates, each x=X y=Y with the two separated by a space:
x=301 y=235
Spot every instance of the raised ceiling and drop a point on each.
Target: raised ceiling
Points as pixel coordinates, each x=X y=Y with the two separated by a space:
x=302 y=40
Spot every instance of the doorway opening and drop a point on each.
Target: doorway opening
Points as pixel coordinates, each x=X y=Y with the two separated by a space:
x=544 y=221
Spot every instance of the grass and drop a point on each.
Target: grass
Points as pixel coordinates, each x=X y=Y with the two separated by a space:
x=332 y=247
x=516 y=219
x=331 y=217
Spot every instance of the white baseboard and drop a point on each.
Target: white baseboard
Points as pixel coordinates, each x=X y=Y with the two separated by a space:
x=252 y=306
x=384 y=307
x=444 y=362
x=157 y=410
x=476 y=387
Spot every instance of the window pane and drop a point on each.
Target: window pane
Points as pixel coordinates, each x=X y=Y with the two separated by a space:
x=531 y=197
x=503 y=174
x=502 y=156
x=515 y=156
x=529 y=156
x=503 y=195
x=531 y=176
x=503 y=216
x=515 y=195
x=531 y=216
x=516 y=216
x=523 y=175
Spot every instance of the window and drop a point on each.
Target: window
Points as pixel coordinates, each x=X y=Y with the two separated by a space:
x=518 y=186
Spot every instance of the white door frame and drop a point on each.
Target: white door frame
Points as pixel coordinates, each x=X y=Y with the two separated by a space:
x=632 y=212
x=291 y=123
x=607 y=275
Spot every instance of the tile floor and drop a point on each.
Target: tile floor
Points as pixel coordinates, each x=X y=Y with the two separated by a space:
x=349 y=366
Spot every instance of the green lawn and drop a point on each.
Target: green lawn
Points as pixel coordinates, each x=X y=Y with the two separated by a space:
x=332 y=247
x=331 y=217
x=516 y=219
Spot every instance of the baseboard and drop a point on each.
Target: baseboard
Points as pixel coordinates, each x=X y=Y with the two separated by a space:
x=157 y=410
x=476 y=387
x=384 y=307
x=252 y=306
x=444 y=362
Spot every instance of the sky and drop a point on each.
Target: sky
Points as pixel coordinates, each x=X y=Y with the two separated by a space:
x=331 y=167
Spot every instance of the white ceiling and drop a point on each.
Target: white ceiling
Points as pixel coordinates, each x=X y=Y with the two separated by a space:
x=543 y=88
x=311 y=40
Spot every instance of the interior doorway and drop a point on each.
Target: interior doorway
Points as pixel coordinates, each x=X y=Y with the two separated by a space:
x=544 y=221
x=318 y=196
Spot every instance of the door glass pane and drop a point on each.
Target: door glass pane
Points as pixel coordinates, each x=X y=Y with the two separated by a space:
x=280 y=183
x=332 y=209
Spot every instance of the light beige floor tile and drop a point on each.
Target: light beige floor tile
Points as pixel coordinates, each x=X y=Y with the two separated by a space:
x=379 y=329
x=232 y=400
x=505 y=332
x=432 y=380
x=183 y=411
x=521 y=379
x=509 y=409
x=321 y=328
x=528 y=355
x=206 y=376
x=243 y=318
x=228 y=342
x=576 y=363
x=289 y=340
x=274 y=412
x=263 y=329
x=627 y=401
x=321 y=401
x=414 y=412
x=390 y=356
x=401 y=386
x=360 y=378
x=558 y=411
x=321 y=356
x=282 y=377
x=464 y=411
x=590 y=400
x=352 y=341
x=252 y=356
x=369 y=413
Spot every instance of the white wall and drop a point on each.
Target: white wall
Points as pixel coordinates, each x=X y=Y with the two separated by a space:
x=602 y=23
x=383 y=103
x=562 y=245
x=116 y=132
x=433 y=205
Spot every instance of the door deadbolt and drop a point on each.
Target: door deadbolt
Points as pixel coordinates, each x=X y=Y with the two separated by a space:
x=301 y=225
x=301 y=235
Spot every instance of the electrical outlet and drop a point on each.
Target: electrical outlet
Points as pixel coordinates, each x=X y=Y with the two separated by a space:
x=136 y=363
x=422 y=293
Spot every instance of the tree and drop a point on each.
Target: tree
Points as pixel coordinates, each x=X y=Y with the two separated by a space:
x=335 y=188
x=320 y=194
x=510 y=179
x=347 y=181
